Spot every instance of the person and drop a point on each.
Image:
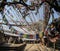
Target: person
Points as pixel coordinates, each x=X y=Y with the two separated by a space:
x=53 y=33
x=53 y=30
x=45 y=39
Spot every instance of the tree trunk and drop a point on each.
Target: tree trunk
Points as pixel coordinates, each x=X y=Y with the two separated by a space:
x=46 y=16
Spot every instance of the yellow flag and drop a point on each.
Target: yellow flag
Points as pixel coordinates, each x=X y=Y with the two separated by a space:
x=40 y=35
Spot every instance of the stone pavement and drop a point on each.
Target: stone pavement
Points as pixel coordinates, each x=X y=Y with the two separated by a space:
x=37 y=47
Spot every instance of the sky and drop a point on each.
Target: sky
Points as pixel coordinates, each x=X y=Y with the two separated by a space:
x=37 y=17
x=16 y=16
x=56 y=15
x=40 y=15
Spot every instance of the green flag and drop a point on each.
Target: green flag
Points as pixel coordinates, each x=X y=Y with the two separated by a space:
x=24 y=35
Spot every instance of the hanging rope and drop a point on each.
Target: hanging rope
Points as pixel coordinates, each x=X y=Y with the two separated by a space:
x=30 y=18
x=25 y=20
x=14 y=21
